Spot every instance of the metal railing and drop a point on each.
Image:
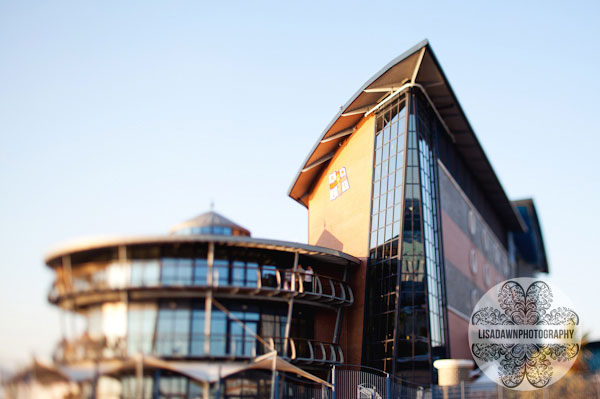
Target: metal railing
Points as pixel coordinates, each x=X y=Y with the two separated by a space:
x=250 y=280
x=361 y=382
x=229 y=346
x=90 y=348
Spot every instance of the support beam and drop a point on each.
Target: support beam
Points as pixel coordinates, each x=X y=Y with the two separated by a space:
x=288 y=321
x=337 y=135
x=66 y=263
x=208 y=299
x=358 y=111
x=338 y=325
x=418 y=65
x=319 y=161
x=387 y=88
x=139 y=375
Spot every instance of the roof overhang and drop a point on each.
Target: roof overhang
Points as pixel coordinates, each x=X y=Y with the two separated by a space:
x=328 y=255
x=417 y=67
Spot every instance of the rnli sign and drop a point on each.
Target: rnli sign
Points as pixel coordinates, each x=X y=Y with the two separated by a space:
x=338 y=183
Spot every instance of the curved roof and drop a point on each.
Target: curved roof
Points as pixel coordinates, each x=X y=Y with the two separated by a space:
x=418 y=67
x=210 y=219
x=321 y=253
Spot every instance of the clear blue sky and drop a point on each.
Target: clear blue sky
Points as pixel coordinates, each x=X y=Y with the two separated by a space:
x=127 y=117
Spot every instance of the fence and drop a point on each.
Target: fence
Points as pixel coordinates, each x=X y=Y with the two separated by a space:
x=359 y=382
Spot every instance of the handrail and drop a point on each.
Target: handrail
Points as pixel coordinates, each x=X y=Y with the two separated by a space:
x=85 y=348
x=281 y=283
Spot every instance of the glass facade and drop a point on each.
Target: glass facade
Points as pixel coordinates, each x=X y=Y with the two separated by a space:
x=177 y=329
x=405 y=313
x=188 y=267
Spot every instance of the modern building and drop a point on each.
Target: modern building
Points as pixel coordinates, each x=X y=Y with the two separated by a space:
x=399 y=180
x=408 y=225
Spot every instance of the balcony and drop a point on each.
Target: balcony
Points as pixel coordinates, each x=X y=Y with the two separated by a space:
x=156 y=279
x=222 y=346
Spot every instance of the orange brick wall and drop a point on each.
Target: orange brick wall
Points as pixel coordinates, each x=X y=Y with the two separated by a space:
x=347 y=220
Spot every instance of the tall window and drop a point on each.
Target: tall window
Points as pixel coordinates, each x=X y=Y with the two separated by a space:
x=404 y=306
x=429 y=128
x=197 y=335
x=141 y=319
x=386 y=219
x=173 y=330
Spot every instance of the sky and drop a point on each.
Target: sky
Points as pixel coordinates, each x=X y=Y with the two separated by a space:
x=120 y=118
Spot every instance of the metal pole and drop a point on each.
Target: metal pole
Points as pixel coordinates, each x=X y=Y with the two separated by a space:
x=333 y=382
x=288 y=321
x=208 y=299
x=274 y=378
x=388 y=387
x=218 y=390
x=139 y=376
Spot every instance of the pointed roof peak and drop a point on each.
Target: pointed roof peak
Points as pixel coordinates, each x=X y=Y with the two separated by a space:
x=210 y=222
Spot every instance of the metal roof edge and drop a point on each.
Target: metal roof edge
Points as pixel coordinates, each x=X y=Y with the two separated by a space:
x=377 y=75
x=518 y=218
x=90 y=243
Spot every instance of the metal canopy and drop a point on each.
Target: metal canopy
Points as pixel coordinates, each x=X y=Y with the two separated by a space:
x=419 y=67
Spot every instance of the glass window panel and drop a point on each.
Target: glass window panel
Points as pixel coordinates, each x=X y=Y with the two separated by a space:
x=251 y=274
x=238 y=270
x=218 y=333
x=221 y=272
x=391 y=182
x=200 y=271
x=197 y=335
x=376 y=186
x=151 y=273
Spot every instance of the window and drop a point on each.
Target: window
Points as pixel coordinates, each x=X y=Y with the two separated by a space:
x=144 y=273
x=177 y=271
x=197 y=338
x=172 y=387
x=129 y=387
x=200 y=271
x=221 y=272
x=172 y=331
x=141 y=319
x=405 y=242
x=243 y=340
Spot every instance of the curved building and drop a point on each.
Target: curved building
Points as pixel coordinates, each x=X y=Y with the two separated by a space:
x=208 y=294
x=399 y=180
